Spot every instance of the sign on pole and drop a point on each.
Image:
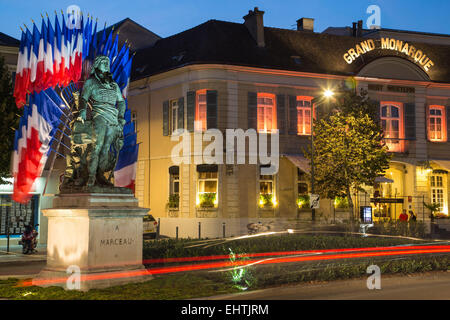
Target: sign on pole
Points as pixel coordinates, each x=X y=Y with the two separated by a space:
x=314 y=201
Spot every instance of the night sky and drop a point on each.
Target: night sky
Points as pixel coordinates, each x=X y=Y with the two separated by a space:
x=166 y=18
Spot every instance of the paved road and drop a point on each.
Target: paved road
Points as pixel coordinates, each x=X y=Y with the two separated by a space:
x=433 y=286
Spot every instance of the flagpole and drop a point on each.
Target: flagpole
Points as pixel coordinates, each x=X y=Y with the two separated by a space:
x=57 y=148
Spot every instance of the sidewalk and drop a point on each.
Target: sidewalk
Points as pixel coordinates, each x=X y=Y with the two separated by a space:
x=15 y=256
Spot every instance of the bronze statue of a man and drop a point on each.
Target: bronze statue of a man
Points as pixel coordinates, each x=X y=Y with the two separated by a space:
x=108 y=108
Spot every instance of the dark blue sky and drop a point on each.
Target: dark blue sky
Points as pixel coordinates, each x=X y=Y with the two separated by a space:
x=168 y=17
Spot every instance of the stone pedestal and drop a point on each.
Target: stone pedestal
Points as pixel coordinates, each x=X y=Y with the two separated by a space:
x=98 y=234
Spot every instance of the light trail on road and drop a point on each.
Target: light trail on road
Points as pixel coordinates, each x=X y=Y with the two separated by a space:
x=318 y=255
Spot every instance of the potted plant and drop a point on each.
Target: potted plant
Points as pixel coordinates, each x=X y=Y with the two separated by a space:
x=434 y=208
x=207 y=200
x=174 y=201
x=266 y=200
x=303 y=201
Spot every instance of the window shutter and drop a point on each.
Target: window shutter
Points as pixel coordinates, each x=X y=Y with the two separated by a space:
x=252 y=110
x=166 y=118
x=211 y=109
x=410 y=121
x=190 y=109
x=281 y=113
x=292 y=115
x=181 y=113
x=447 y=115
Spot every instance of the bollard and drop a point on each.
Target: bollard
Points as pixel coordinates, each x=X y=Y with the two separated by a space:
x=176 y=237
x=199 y=230
x=158 y=228
x=223 y=229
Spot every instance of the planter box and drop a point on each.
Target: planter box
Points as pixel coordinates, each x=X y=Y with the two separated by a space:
x=266 y=212
x=173 y=212
x=207 y=212
x=443 y=223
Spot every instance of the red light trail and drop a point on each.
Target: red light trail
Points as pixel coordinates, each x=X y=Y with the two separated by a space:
x=339 y=254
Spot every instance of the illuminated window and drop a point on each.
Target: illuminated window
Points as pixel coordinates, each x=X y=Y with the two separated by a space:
x=174 y=115
x=207 y=190
x=267 y=191
x=200 y=114
x=439 y=191
x=392 y=125
x=436 y=123
x=266 y=112
x=304 y=115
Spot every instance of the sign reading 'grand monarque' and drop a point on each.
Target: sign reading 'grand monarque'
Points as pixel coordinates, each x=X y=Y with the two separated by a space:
x=389 y=44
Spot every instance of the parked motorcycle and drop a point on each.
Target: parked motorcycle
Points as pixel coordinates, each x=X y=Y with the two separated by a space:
x=29 y=239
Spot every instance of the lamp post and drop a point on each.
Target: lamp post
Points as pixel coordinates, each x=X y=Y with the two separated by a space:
x=326 y=94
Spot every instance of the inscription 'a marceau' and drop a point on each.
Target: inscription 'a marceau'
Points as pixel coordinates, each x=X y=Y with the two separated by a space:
x=117 y=242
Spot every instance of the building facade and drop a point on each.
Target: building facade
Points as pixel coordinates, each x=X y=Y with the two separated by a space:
x=247 y=76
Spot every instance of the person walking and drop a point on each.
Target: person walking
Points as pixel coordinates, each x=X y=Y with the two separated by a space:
x=403 y=216
x=412 y=217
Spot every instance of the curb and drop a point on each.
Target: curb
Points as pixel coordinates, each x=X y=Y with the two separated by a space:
x=21 y=262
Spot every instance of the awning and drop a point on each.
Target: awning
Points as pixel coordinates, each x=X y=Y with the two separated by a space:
x=300 y=162
x=383 y=180
x=442 y=163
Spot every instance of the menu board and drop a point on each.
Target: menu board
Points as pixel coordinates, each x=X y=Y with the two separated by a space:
x=18 y=214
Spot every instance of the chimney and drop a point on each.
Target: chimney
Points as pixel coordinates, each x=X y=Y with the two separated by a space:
x=255 y=25
x=305 y=24
x=354 y=29
x=360 y=29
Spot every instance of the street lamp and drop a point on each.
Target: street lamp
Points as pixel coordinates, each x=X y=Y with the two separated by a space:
x=316 y=102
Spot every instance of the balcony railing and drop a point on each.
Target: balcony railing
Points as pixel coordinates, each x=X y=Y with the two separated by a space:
x=397 y=145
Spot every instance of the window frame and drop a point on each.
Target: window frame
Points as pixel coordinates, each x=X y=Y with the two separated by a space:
x=434 y=190
x=200 y=124
x=303 y=109
x=394 y=147
x=274 y=112
x=443 y=118
x=199 y=180
x=173 y=125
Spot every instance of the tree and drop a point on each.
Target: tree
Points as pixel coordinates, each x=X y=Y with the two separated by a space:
x=9 y=120
x=349 y=151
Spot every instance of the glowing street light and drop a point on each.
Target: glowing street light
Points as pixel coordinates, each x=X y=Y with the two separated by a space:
x=328 y=93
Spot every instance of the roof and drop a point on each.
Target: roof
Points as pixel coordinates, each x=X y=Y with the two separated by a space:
x=9 y=41
x=137 y=35
x=220 y=42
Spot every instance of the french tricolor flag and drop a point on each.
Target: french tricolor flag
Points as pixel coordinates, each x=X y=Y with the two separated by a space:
x=34 y=54
x=125 y=171
x=20 y=92
x=39 y=82
x=32 y=146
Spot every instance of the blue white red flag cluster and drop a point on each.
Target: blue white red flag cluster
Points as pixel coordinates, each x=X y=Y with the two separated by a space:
x=51 y=57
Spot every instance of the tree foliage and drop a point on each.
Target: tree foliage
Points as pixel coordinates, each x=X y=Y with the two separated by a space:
x=348 y=147
x=9 y=120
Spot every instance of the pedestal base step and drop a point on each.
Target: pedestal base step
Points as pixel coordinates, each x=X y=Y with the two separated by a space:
x=74 y=279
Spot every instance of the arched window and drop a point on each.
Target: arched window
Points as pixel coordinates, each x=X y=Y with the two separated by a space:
x=436 y=123
x=392 y=125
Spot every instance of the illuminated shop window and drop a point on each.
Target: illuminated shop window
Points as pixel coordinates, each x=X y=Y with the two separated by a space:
x=392 y=125
x=436 y=123
x=266 y=112
x=174 y=115
x=438 y=185
x=304 y=115
x=200 y=112
x=207 y=189
x=267 y=196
